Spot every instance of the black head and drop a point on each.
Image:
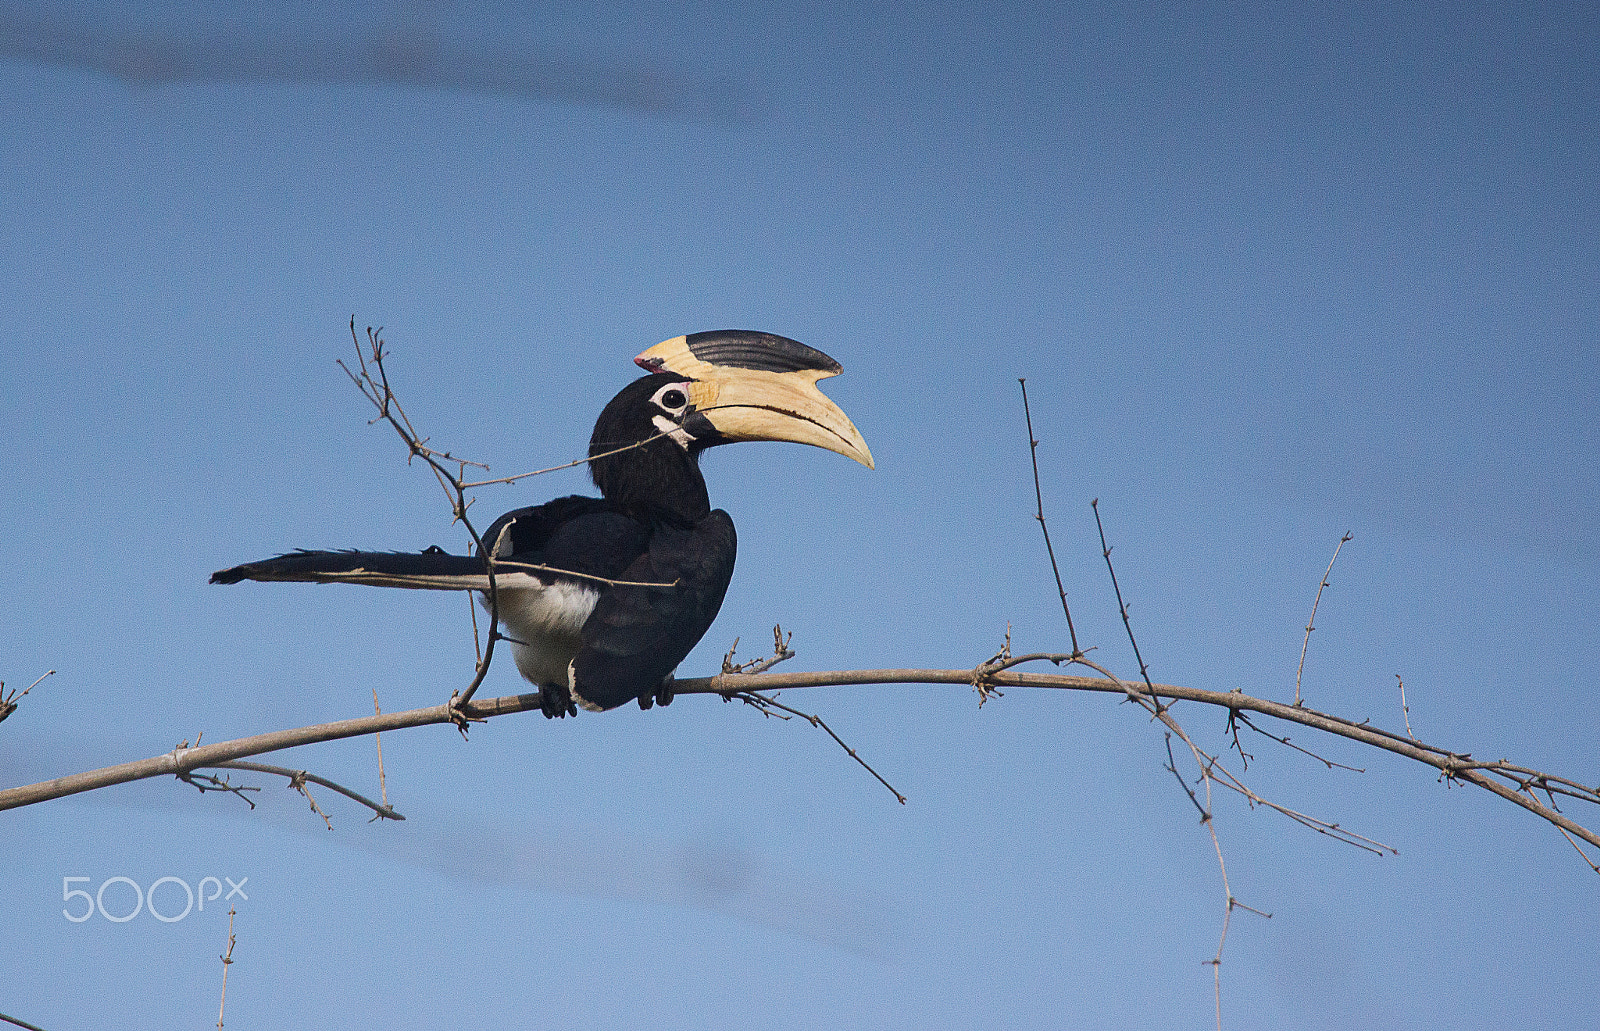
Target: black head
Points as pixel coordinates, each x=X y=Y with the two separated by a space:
x=646 y=444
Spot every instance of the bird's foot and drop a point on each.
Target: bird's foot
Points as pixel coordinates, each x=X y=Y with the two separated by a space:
x=555 y=701
x=663 y=695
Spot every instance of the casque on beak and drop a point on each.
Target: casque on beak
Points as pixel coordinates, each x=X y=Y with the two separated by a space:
x=757 y=386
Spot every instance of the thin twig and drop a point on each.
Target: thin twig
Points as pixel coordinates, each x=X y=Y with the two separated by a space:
x=1172 y=767
x=20 y=1023
x=781 y=652
x=1235 y=718
x=1038 y=495
x=299 y=778
x=206 y=782
x=227 y=961
x=8 y=702
x=537 y=567
x=764 y=703
x=383 y=780
x=1405 y=711
x=1311 y=623
x=469 y=485
x=1122 y=606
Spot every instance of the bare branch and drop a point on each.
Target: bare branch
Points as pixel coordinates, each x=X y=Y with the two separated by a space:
x=8 y=702
x=1236 y=718
x=227 y=961
x=298 y=780
x=383 y=781
x=1038 y=496
x=1405 y=710
x=1501 y=777
x=781 y=652
x=1122 y=606
x=1311 y=623
x=766 y=703
x=206 y=782
x=20 y=1023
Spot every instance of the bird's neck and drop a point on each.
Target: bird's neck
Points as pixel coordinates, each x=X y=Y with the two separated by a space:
x=660 y=478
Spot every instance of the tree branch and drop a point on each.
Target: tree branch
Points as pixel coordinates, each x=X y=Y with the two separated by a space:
x=1514 y=783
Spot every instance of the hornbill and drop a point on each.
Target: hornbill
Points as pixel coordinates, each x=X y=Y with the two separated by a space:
x=601 y=598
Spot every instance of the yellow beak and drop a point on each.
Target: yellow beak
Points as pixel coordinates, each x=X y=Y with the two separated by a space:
x=757 y=386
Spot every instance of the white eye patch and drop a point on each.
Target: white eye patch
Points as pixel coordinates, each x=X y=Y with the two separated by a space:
x=673 y=400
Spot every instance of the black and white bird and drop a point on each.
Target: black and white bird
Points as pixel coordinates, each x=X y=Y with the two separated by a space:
x=601 y=598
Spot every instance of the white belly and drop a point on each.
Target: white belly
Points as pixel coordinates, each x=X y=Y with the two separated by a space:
x=544 y=624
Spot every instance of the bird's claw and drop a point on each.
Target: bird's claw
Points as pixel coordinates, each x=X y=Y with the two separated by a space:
x=555 y=701
x=663 y=695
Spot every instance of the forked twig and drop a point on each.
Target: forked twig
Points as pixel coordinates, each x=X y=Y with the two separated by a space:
x=8 y=702
x=781 y=652
x=1235 y=718
x=373 y=382
x=206 y=782
x=297 y=779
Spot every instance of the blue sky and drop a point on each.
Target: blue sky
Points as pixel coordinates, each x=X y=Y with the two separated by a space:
x=1272 y=275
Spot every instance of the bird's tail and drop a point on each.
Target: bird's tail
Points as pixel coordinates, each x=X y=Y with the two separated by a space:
x=431 y=570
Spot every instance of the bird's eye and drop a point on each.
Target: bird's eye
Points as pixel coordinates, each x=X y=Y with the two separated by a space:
x=673 y=399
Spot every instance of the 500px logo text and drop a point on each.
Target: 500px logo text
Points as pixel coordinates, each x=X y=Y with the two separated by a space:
x=143 y=899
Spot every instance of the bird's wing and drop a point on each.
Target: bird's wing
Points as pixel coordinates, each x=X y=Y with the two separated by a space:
x=587 y=536
x=636 y=636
